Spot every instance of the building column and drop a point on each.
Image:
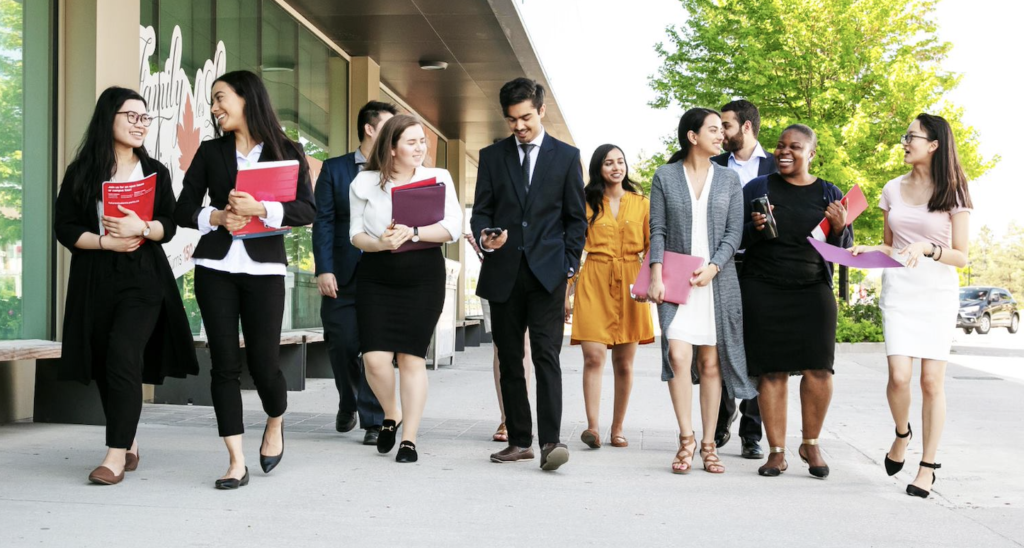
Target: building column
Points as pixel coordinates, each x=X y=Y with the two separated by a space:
x=364 y=86
x=457 y=166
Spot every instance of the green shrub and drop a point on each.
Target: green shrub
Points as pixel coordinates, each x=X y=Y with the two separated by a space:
x=859 y=322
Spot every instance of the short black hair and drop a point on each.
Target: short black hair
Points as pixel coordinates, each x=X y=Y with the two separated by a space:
x=806 y=131
x=519 y=90
x=746 y=112
x=370 y=114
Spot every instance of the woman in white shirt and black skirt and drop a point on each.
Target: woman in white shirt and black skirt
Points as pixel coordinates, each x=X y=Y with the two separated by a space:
x=400 y=294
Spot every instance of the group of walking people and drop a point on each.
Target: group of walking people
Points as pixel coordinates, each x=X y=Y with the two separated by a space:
x=761 y=307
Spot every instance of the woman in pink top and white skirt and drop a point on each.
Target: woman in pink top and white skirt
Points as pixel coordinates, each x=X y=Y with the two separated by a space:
x=926 y=216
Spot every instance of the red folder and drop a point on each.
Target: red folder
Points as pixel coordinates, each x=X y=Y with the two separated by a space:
x=855 y=204
x=137 y=196
x=418 y=184
x=676 y=271
x=417 y=206
x=267 y=182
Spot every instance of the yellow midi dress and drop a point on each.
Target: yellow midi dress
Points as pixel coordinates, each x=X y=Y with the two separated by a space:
x=603 y=310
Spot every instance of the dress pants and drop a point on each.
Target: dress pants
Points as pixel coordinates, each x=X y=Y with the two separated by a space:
x=341 y=331
x=223 y=298
x=121 y=331
x=530 y=305
x=750 y=421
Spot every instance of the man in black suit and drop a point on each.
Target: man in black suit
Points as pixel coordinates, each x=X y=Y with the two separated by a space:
x=530 y=190
x=336 y=260
x=741 y=123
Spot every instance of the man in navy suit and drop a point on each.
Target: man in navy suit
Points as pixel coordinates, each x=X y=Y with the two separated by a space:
x=530 y=219
x=336 y=260
x=741 y=123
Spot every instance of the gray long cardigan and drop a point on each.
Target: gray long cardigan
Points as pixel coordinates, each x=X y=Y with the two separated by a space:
x=671 y=219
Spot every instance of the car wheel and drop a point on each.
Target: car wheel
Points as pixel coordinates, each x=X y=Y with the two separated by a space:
x=1014 y=324
x=984 y=324
x=968 y=330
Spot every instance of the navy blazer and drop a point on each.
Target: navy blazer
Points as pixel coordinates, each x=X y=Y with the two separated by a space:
x=546 y=227
x=767 y=167
x=333 y=251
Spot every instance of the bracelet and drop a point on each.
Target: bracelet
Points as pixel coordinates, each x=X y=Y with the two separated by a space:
x=100 y=241
x=939 y=256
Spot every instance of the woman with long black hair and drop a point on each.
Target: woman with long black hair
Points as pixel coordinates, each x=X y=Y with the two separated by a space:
x=926 y=214
x=606 y=314
x=124 y=322
x=242 y=279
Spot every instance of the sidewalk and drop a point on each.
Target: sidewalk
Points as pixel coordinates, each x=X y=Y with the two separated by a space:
x=330 y=490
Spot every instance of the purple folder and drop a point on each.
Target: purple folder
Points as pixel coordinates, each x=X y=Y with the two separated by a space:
x=676 y=271
x=871 y=259
x=420 y=206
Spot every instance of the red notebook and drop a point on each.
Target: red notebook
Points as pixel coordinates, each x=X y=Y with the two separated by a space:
x=417 y=206
x=425 y=182
x=676 y=271
x=267 y=182
x=137 y=196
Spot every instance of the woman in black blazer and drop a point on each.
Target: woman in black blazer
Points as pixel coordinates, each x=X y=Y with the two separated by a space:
x=242 y=279
x=124 y=323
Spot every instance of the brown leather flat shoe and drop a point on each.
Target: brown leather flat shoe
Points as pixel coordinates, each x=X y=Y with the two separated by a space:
x=620 y=441
x=131 y=462
x=105 y=476
x=591 y=438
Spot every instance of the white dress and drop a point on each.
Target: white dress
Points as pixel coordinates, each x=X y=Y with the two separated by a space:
x=694 y=321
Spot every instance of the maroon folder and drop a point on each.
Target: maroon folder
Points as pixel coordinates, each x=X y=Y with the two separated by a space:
x=417 y=206
x=676 y=271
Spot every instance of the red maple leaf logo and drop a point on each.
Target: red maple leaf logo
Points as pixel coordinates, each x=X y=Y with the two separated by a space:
x=188 y=137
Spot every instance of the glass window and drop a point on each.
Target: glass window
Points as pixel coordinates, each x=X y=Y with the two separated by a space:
x=12 y=150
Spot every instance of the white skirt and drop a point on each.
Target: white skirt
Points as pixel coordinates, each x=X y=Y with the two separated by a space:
x=919 y=307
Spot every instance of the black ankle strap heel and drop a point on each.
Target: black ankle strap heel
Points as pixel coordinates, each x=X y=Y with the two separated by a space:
x=916 y=491
x=892 y=467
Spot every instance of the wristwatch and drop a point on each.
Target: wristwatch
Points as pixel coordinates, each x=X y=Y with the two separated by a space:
x=145 y=233
x=415 y=234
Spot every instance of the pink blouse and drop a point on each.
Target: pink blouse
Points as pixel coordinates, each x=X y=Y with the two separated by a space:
x=914 y=223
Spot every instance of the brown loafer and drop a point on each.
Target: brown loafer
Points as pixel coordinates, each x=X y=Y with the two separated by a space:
x=131 y=462
x=512 y=454
x=105 y=476
x=553 y=455
x=620 y=441
x=591 y=438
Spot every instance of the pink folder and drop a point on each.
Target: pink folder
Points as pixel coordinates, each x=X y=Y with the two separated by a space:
x=676 y=271
x=267 y=181
x=417 y=206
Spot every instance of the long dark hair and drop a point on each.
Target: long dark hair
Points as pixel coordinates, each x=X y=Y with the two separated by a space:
x=692 y=120
x=594 y=190
x=380 y=157
x=264 y=126
x=947 y=174
x=95 y=160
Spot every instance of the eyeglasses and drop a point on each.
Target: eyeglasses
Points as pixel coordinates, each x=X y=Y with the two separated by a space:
x=134 y=117
x=908 y=138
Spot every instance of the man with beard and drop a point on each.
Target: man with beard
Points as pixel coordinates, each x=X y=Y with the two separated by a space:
x=741 y=123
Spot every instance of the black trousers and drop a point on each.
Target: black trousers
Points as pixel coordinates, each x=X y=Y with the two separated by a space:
x=530 y=305
x=258 y=301
x=120 y=333
x=750 y=419
x=341 y=331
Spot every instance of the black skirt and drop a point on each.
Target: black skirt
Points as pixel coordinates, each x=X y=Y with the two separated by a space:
x=399 y=297
x=788 y=328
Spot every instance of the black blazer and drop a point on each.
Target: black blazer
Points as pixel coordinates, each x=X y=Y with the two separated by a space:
x=213 y=171
x=547 y=227
x=765 y=167
x=333 y=252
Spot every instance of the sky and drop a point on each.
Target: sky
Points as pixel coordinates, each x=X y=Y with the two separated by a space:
x=599 y=54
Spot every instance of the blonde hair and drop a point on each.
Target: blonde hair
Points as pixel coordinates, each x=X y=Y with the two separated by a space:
x=381 y=158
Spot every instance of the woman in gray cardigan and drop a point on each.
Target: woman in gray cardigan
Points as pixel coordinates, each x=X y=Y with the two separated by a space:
x=698 y=210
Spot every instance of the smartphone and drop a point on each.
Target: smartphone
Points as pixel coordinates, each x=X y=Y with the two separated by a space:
x=492 y=232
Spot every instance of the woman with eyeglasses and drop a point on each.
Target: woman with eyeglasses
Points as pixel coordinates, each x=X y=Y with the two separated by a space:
x=926 y=214
x=124 y=322
x=243 y=279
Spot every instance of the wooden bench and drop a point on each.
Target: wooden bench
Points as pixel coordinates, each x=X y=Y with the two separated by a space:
x=468 y=332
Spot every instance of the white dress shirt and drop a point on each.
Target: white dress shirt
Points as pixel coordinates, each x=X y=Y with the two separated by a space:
x=371 y=206
x=748 y=170
x=237 y=261
x=534 y=152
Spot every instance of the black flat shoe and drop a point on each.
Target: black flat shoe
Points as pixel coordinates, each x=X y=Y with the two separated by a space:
x=407 y=452
x=370 y=437
x=892 y=467
x=752 y=450
x=816 y=471
x=269 y=463
x=233 y=483
x=774 y=471
x=345 y=421
x=386 y=437
x=916 y=491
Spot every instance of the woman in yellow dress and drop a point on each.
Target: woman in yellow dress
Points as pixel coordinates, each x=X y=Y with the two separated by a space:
x=606 y=315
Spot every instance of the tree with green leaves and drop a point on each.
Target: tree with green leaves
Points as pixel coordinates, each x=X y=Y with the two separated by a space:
x=997 y=262
x=857 y=71
x=11 y=136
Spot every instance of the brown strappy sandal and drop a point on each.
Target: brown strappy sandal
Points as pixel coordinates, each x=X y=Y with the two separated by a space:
x=684 y=457
x=712 y=463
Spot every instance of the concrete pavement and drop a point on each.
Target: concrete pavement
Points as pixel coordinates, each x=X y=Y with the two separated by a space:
x=330 y=490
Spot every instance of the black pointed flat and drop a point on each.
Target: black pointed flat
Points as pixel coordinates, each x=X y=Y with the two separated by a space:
x=269 y=463
x=892 y=467
x=233 y=483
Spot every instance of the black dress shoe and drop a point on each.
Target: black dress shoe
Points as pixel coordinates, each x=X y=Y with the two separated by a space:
x=345 y=421
x=386 y=437
x=553 y=455
x=722 y=439
x=269 y=463
x=752 y=450
x=407 y=452
x=370 y=438
x=233 y=483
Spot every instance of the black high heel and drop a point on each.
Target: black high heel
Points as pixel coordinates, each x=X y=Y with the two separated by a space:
x=407 y=452
x=269 y=463
x=916 y=491
x=386 y=438
x=892 y=467
x=233 y=483
x=816 y=471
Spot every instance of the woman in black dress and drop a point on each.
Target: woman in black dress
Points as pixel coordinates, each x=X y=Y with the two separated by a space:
x=789 y=310
x=400 y=294
x=124 y=323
